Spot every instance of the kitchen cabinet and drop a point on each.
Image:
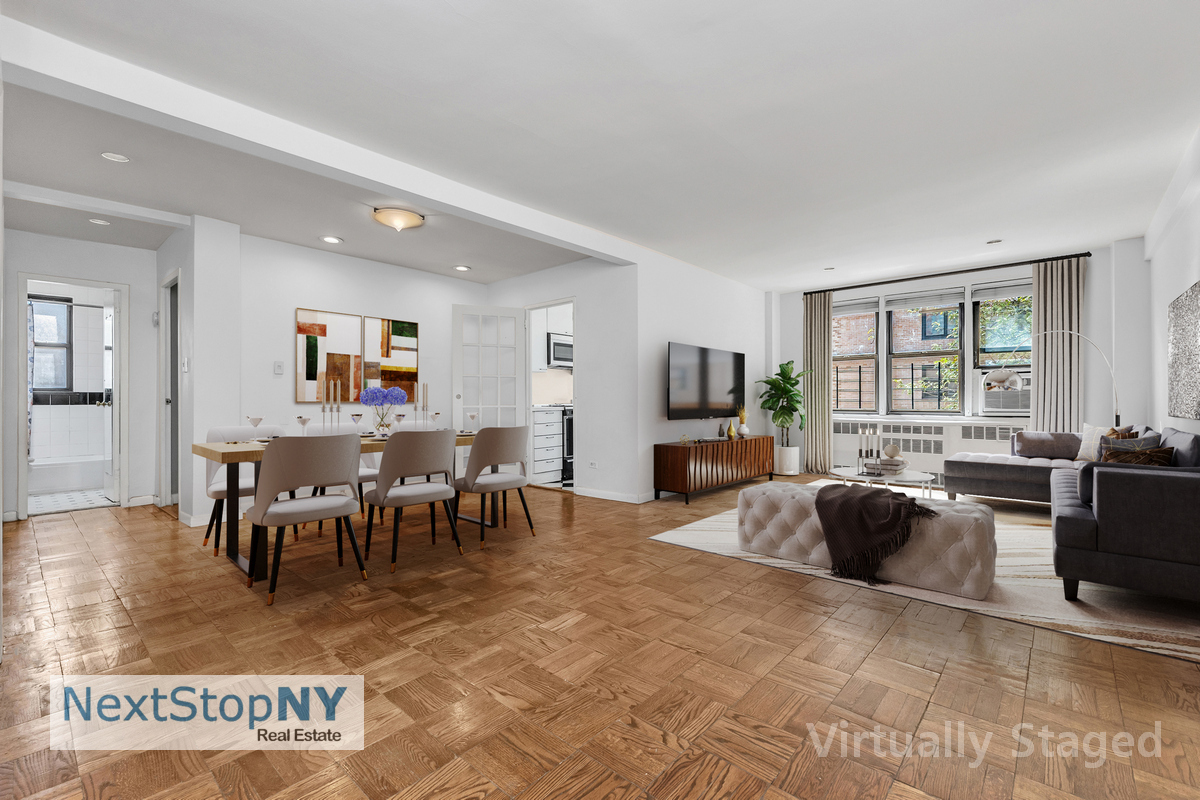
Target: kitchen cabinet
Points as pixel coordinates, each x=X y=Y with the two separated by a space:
x=561 y=319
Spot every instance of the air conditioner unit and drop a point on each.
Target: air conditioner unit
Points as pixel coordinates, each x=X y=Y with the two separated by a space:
x=1011 y=399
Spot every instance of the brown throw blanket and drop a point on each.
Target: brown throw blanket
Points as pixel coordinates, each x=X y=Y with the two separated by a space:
x=864 y=525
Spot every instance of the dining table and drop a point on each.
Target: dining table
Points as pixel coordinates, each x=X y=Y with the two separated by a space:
x=233 y=455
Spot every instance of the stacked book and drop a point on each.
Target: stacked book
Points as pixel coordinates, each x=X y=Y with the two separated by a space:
x=884 y=466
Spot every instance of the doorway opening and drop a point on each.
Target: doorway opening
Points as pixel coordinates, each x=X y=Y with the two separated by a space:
x=552 y=394
x=72 y=442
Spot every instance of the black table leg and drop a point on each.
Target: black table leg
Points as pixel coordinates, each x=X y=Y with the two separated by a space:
x=232 y=512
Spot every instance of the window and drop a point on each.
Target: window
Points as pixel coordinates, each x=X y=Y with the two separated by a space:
x=51 y=342
x=854 y=360
x=925 y=358
x=1002 y=332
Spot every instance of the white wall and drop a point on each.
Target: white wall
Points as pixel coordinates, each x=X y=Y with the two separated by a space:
x=73 y=259
x=1173 y=250
x=682 y=303
x=605 y=375
x=278 y=278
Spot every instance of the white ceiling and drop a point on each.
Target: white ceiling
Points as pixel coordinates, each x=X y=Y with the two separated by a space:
x=762 y=140
x=56 y=144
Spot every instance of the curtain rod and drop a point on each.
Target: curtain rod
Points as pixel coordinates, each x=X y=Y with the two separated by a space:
x=947 y=274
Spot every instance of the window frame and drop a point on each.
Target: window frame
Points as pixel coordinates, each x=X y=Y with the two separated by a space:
x=67 y=346
x=891 y=356
x=975 y=320
x=872 y=357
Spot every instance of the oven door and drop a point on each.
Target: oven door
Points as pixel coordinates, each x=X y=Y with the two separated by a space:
x=559 y=350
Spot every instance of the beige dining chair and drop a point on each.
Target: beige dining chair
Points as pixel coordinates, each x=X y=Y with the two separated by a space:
x=368 y=469
x=290 y=463
x=493 y=447
x=414 y=454
x=216 y=484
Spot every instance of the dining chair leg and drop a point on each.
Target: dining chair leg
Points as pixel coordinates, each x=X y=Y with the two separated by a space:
x=453 y=524
x=212 y=518
x=505 y=493
x=314 y=494
x=339 y=538
x=399 y=510
x=395 y=535
x=253 y=565
x=295 y=528
x=433 y=523
x=219 y=508
x=275 y=564
x=354 y=546
x=370 y=519
x=361 y=513
x=525 y=505
x=321 y=523
x=482 y=516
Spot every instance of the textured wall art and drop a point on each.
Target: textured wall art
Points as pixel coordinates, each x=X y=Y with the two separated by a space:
x=389 y=353
x=1183 y=355
x=328 y=348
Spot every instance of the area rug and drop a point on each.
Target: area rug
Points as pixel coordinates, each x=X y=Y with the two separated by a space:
x=1026 y=589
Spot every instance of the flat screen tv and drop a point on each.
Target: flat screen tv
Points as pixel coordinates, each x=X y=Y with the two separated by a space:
x=703 y=382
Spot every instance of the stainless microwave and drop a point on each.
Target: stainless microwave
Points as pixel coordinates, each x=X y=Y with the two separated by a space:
x=559 y=351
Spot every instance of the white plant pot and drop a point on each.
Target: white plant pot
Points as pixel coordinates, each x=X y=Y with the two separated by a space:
x=787 y=460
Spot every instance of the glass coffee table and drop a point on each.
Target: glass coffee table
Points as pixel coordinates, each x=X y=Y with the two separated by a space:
x=910 y=477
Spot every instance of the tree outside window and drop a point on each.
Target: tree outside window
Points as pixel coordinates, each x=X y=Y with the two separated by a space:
x=1003 y=332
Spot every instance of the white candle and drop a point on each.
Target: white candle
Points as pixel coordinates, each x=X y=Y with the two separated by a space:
x=338 y=395
x=323 y=398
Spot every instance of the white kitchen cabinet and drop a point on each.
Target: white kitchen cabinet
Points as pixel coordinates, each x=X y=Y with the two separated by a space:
x=561 y=319
x=537 y=339
x=547 y=445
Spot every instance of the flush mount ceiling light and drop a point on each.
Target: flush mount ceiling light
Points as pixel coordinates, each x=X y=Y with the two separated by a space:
x=100 y=221
x=463 y=268
x=995 y=241
x=331 y=240
x=398 y=218
x=115 y=157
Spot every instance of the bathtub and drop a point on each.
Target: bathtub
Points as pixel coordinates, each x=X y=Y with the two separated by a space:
x=66 y=474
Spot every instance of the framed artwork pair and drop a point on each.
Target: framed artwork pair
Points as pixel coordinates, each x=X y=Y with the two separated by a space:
x=356 y=350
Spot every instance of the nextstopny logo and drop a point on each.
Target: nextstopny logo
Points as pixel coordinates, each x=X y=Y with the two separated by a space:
x=214 y=712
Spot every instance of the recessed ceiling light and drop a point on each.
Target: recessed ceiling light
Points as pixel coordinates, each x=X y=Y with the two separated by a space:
x=830 y=269
x=331 y=240
x=463 y=268
x=398 y=218
x=116 y=157
x=995 y=241
x=100 y=221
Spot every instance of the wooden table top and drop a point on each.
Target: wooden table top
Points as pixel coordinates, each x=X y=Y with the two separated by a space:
x=249 y=452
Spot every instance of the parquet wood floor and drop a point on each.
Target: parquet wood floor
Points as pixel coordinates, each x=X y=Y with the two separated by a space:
x=585 y=663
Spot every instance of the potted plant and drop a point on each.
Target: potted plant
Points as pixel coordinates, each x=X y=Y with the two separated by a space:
x=783 y=398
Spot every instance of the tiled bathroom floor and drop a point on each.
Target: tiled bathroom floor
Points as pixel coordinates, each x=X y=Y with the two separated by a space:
x=58 y=502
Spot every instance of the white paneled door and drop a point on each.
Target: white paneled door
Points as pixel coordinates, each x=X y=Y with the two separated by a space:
x=489 y=369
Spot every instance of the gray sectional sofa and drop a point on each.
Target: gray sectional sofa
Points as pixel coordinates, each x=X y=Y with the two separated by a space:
x=1137 y=527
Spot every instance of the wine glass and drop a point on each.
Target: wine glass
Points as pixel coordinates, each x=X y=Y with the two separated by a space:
x=254 y=420
x=357 y=418
x=304 y=424
x=471 y=415
x=436 y=414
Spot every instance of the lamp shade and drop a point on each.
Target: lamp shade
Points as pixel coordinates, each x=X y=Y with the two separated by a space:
x=398 y=218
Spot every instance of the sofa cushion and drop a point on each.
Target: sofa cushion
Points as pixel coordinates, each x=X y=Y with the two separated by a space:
x=1072 y=521
x=999 y=467
x=1042 y=444
x=1086 y=481
x=1187 y=447
x=1154 y=457
x=1089 y=448
x=1128 y=444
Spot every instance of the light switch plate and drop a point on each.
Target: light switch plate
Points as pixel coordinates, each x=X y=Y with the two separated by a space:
x=278 y=367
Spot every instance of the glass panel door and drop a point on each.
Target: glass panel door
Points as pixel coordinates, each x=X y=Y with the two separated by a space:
x=488 y=369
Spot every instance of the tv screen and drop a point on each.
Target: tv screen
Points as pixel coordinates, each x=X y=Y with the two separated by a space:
x=703 y=383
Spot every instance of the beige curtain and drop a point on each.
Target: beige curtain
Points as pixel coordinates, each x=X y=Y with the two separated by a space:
x=1057 y=300
x=817 y=385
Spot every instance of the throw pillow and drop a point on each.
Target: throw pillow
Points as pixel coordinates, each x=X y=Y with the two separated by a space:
x=1154 y=457
x=1187 y=447
x=1110 y=444
x=1089 y=450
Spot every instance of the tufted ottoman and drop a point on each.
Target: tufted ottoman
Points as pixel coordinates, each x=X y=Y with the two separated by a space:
x=955 y=552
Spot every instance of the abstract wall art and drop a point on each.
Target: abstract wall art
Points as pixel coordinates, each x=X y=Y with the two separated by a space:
x=389 y=349
x=1183 y=355
x=328 y=348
